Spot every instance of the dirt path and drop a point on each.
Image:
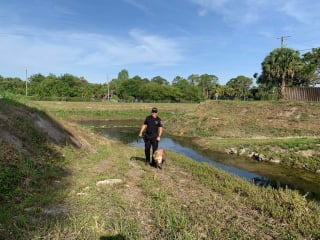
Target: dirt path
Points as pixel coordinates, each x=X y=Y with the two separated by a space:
x=198 y=202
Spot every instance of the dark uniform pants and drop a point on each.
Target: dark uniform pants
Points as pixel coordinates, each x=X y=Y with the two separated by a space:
x=148 y=143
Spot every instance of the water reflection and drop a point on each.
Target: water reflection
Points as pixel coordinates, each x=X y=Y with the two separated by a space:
x=169 y=143
x=258 y=173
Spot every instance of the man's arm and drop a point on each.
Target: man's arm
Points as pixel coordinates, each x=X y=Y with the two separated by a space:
x=143 y=127
x=160 y=130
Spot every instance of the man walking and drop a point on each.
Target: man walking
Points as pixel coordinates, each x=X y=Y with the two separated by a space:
x=153 y=126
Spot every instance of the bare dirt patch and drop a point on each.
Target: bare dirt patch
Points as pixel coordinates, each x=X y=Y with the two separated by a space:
x=134 y=196
x=52 y=129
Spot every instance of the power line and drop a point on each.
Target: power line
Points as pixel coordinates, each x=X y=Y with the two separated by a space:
x=308 y=49
x=282 y=38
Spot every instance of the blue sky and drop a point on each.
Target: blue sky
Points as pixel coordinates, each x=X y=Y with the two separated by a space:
x=96 y=39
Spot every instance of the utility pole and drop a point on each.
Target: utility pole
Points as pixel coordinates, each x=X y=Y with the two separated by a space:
x=282 y=40
x=26 y=82
x=108 y=88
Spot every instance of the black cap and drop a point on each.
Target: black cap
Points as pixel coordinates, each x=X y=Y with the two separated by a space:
x=154 y=110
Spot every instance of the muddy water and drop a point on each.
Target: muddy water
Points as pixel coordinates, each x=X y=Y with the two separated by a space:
x=263 y=174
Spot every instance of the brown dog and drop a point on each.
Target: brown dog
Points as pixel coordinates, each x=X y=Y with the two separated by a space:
x=159 y=157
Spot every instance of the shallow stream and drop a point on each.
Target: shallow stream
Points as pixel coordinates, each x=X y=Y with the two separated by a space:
x=262 y=174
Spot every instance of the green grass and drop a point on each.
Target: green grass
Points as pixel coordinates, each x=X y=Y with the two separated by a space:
x=186 y=200
x=285 y=205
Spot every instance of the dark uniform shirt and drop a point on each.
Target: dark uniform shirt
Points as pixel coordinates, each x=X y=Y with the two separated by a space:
x=153 y=125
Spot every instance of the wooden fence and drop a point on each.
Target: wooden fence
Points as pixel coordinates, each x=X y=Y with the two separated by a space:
x=302 y=94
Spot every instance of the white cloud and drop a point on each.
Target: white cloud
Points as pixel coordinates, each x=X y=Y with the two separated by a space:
x=137 y=5
x=156 y=49
x=252 y=11
x=140 y=47
x=202 y=12
x=232 y=11
x=302 y=11
x=68 y=52
x=211 y=3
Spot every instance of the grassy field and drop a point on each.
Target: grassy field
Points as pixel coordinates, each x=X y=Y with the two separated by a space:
x=50 y=188
x=285 y=131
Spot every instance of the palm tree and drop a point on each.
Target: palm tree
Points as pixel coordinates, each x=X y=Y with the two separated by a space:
x=207 y=82
x=312 y=68
x=280 y=67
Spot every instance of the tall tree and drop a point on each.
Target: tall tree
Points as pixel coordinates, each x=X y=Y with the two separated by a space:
x=280 y=67
x=207 y=82
x=193 y=79
x=159 y=80
x=188 y=91
x=34 y=83
x=312 y=65
x=123 y=75
x=241 y=86
x=177 y=80
x=130 y=89
x=12 y=85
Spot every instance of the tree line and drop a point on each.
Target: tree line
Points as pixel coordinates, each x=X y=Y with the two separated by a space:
x=283 y=67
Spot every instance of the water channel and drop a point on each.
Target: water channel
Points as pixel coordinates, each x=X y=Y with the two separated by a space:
x=262 y=174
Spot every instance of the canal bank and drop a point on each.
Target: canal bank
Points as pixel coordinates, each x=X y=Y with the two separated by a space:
x=259 y=173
